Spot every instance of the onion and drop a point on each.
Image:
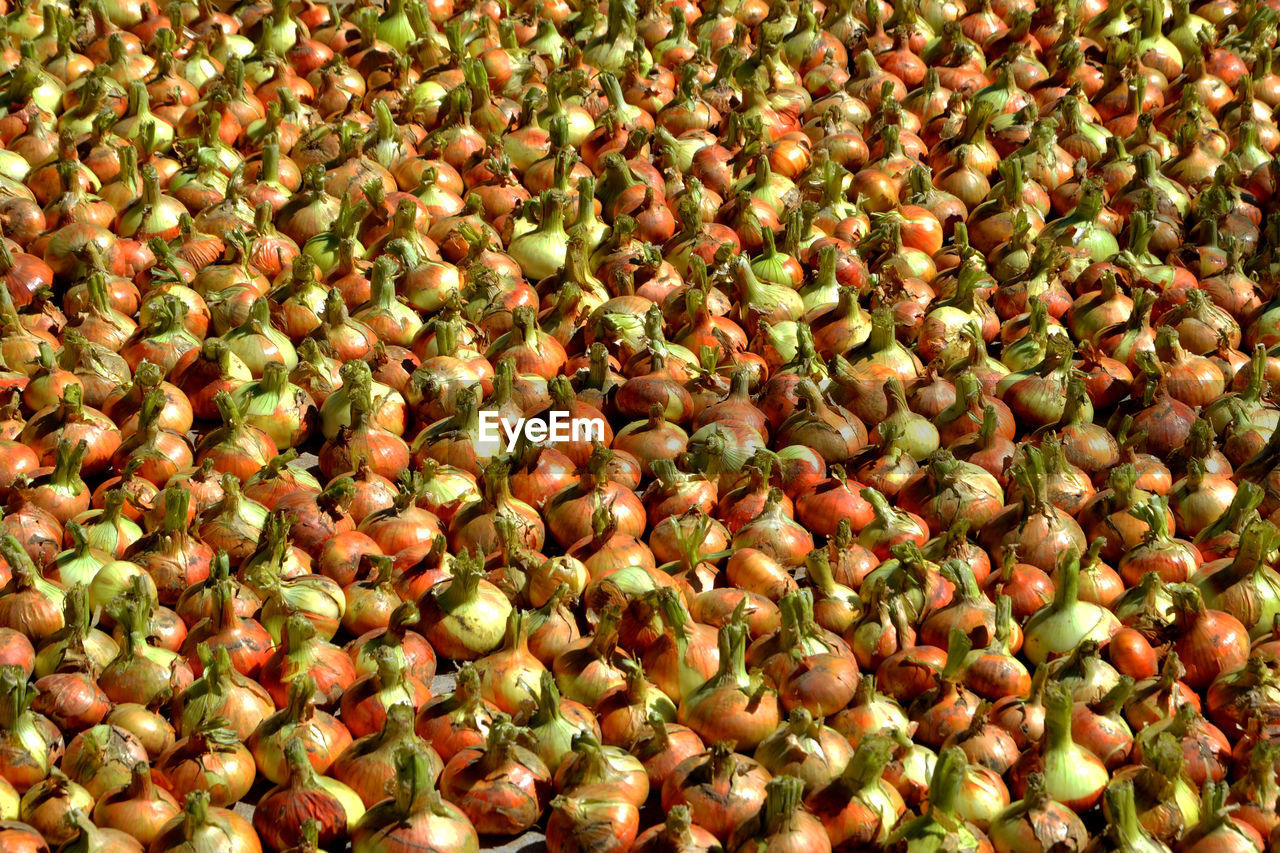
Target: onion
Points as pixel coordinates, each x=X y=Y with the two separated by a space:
x=604 y=825
x=365 y=704
x=858 y=806
x=138 y=807
x=201 y=824
x=782 y=823
x=623 y=712
x=245 y=640
x=279 y=408
x=868 y=714
x=944 y=790
x=805 y=749
x=721 y=789
x=1217 y=829
x=1243 y=586
x=49 y=805
x=589 y=668
x=677 y=835
x=141 y=672
x=1036 y=822
x=994 y=672
x=866 y=298
x=605 y=771
x=753 y=703
x=1172 y=559
x=467 y=613
x=415 y=817
x=323 y=736
x=28 y=602
x=211 y=759
x=1123 y=825
x=509 y=675
x=223 y=692
x=542 y=251
x=1059 y=626
x=1210 y=642
x=280 y=814
x=1072 y=775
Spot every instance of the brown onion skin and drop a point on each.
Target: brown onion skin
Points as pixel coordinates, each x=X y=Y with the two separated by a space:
x=754 y=717
x=1021 y=718
x=450 y=732
x=190 y=765
x=728 y=789
x=248 y=643
x=418 y=654
x=987 y=744
x=1132 y=655
x=368 y=765
x=908 y=673
x=313 y=524
x=676 y=837
x=1109 y=739
x=506 y=807
x=37 y=530
x=660 y=755
x=19 y=459
x=1213 y=643
x=16 y=650
x=151 y=729
x=591 y=826
x=72 y=700
x=333 y=673
x=362 y=709
x=173 y=573
x=280 y=813
x=19 y=837
x=996 y=675
x=138 y=808
x=848 y=822
x=822 y=684
x=1029 y=587
x=833 y=500
x=395 y=530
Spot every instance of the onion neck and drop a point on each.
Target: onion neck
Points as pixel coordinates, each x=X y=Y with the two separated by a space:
x=944 y=786
x=866 y=769
x=548 y=710
x=1244 y=503
x=195 y=814
x=463 y=588
x=415 y=787
x=298 y=642
x=782 y=801
x=500 y=747
x=397 y=729
x=67 y=461
x=677 y=832
x=732 y=672
x=1057 y=721
x=882 y=334
x=1126 y=830
x=1256 y=541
